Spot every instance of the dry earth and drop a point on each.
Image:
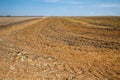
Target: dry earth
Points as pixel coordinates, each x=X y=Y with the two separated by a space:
x=58 y=48
x=12 y=20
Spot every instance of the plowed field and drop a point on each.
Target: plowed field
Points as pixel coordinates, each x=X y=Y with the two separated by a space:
x=61 y=48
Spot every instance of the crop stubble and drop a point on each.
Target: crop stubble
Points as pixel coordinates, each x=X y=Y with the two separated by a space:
x=58 y=48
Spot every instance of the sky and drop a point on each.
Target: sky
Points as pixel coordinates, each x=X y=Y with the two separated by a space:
x=60 y=7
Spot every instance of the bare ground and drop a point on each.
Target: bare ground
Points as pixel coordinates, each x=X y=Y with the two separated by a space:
x=59 y=49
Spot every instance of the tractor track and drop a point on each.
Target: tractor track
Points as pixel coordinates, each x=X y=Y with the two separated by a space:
x=54 y=48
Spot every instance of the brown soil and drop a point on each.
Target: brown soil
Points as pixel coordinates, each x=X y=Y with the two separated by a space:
x=55 y=48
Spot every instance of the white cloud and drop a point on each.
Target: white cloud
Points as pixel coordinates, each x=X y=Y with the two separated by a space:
x=72 y=2
x=108 y=5
x=52 y=0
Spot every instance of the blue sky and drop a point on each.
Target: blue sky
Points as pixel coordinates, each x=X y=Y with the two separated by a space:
x=60 y=7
